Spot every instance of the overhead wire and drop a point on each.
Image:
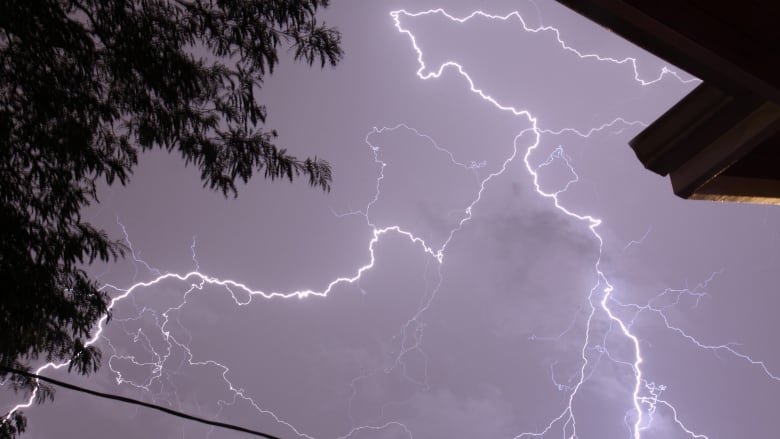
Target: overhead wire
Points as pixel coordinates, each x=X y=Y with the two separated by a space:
x=137 y=402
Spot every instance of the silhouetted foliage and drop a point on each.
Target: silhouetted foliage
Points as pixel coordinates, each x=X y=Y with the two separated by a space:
x=85 y=86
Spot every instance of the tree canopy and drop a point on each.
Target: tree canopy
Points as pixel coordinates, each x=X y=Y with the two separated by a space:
x=87 y=85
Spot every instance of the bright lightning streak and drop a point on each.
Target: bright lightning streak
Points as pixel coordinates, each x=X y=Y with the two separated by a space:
x=568 y=416
x=645 y=395
x=516 y=15
x=602 y=286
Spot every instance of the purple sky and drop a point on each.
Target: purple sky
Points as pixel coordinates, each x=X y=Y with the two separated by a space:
x=470 y=293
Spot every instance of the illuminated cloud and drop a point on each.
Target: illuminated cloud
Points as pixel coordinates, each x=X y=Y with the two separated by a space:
x=492 y=262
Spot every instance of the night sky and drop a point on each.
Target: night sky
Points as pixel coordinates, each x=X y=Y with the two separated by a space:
x=492 y=262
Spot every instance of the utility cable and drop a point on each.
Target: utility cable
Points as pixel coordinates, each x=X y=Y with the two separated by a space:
x=137 y=402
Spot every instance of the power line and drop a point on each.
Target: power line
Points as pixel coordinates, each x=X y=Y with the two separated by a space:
x=137 y=402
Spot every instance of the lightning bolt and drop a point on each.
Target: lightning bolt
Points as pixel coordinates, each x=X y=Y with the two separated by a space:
x=645 y=394
x=165 y=351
